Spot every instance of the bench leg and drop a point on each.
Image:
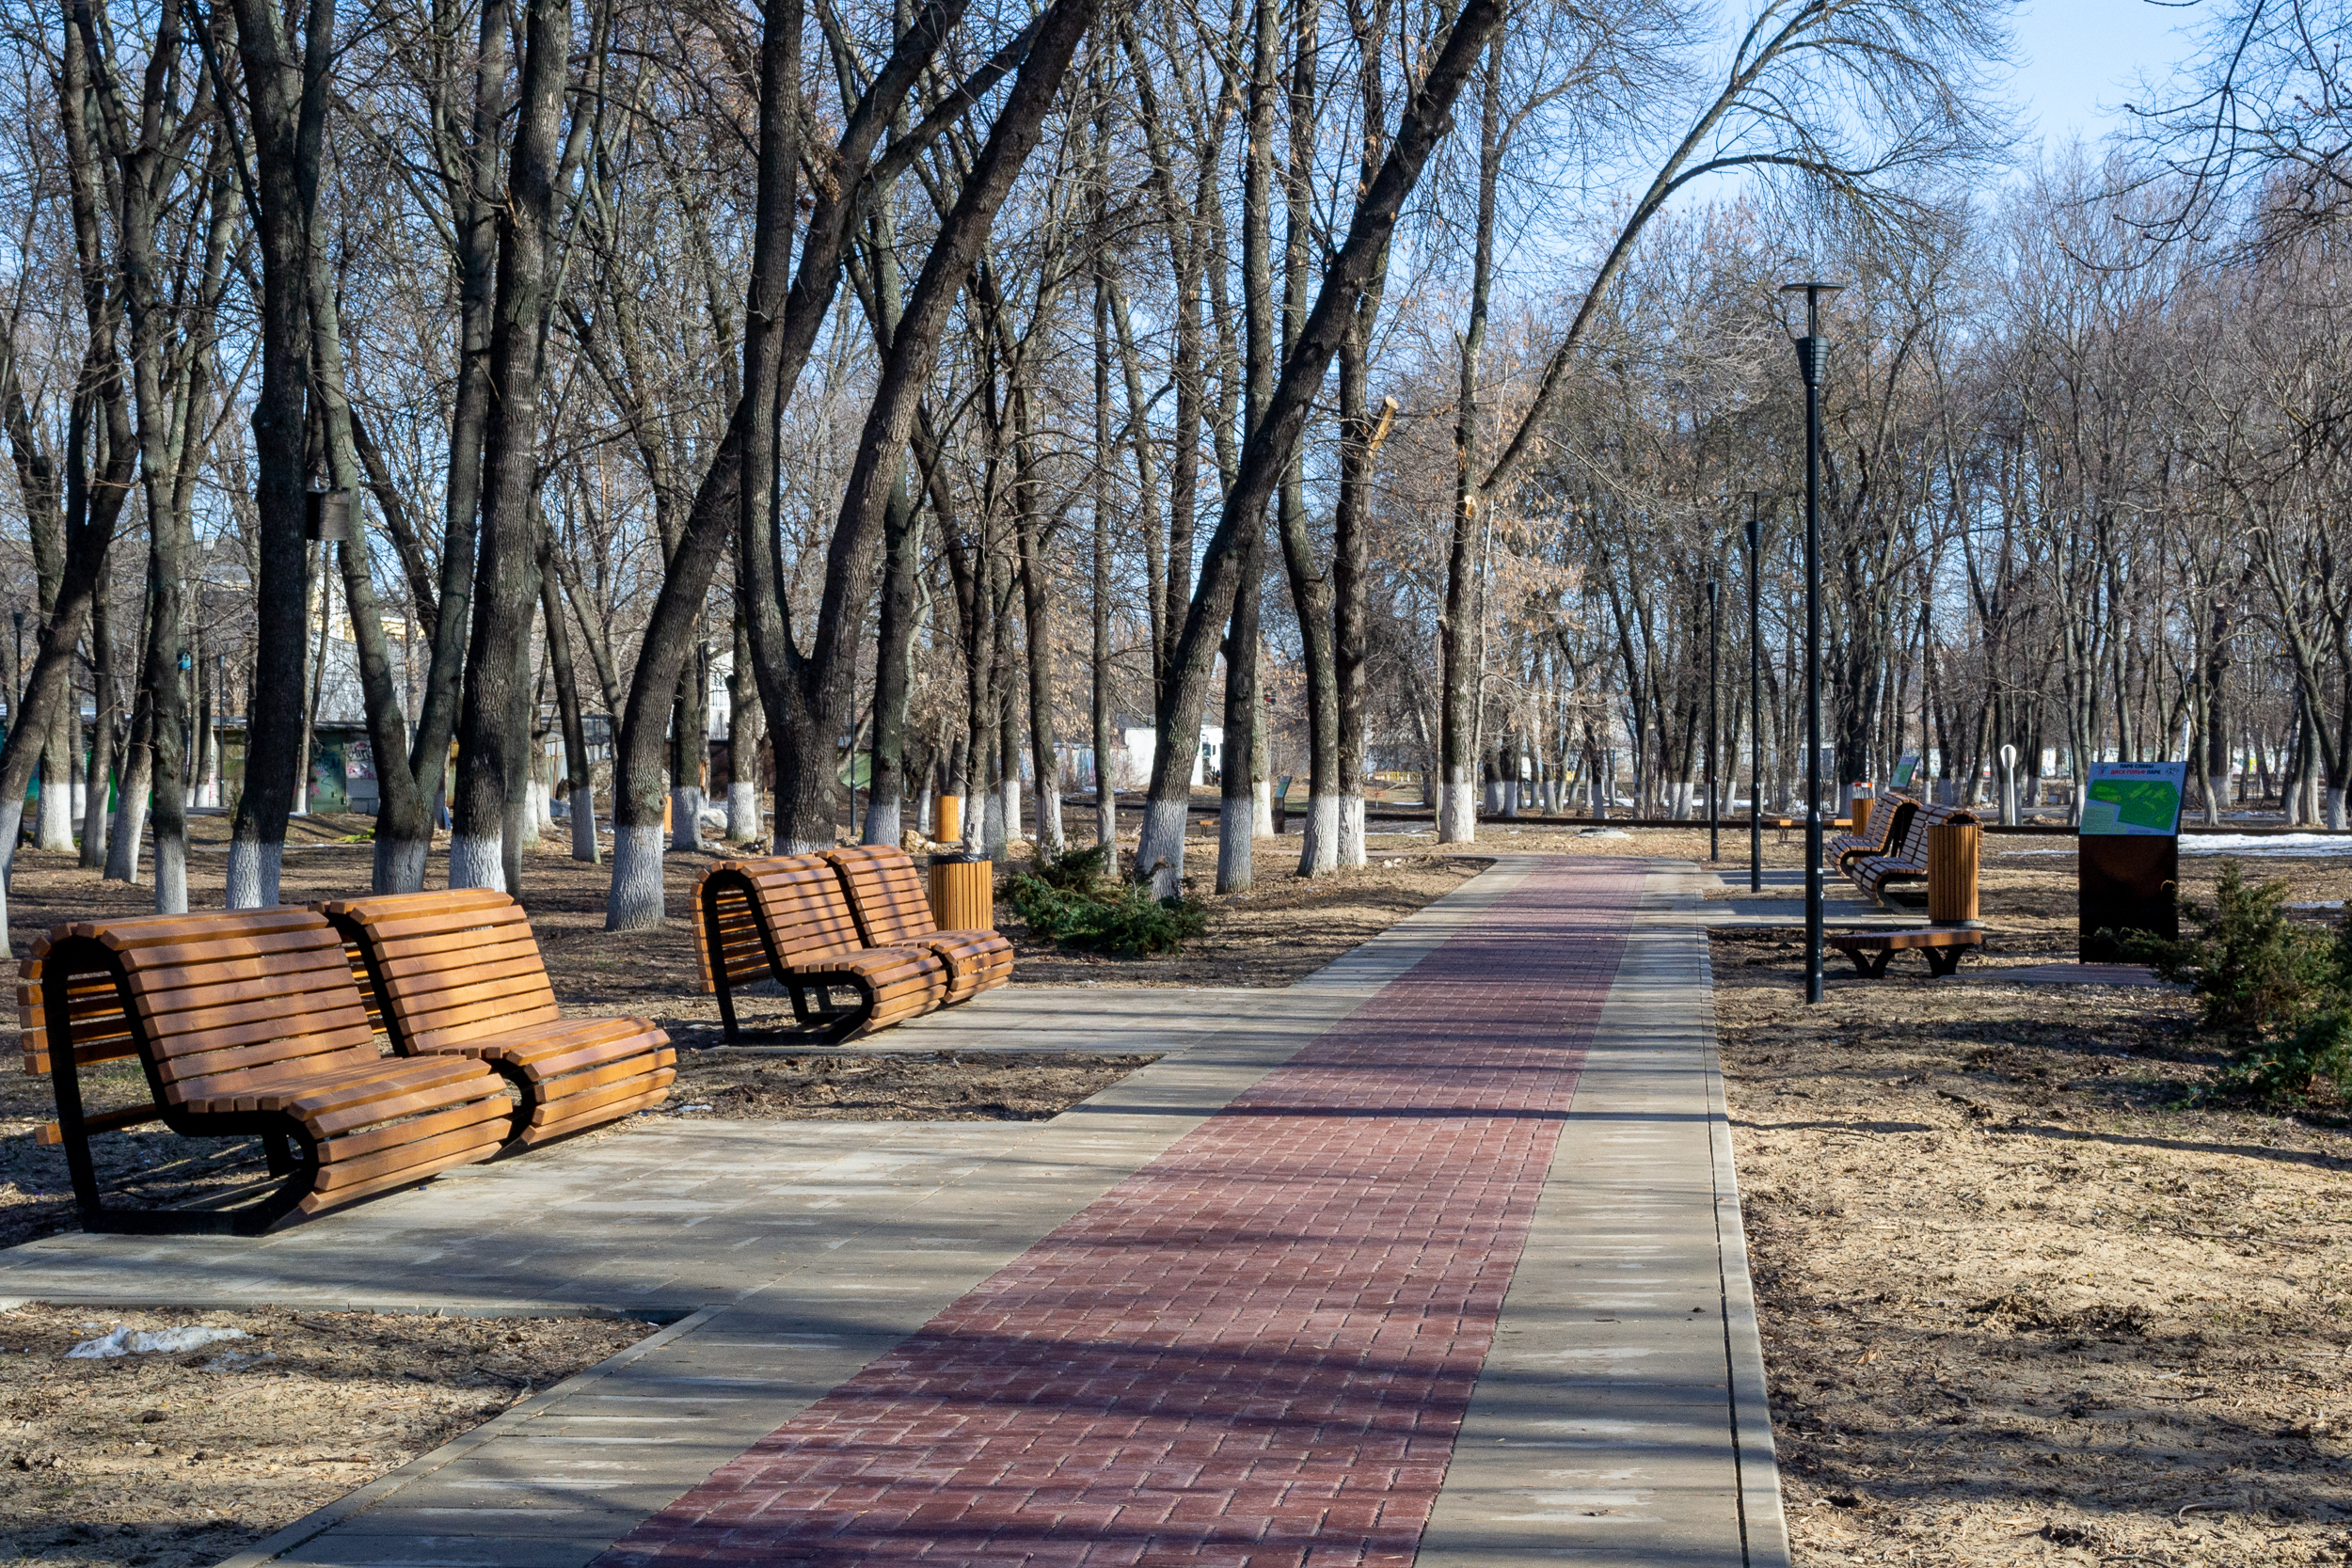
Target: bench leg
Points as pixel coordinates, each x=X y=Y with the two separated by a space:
x=1942 y=960
x=275 y=1153
x=726 y=1008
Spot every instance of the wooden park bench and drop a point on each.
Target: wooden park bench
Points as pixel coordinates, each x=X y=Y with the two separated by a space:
x=247 y=1024
x=1941 y=945
x=788 y=919
x=1889 y=818
x=894 y=910
x=458 y=973
x=1875 y=873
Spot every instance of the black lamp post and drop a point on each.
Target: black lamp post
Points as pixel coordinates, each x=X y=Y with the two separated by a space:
x=1714 y=725
x=1755 y=698
x=1812 y=352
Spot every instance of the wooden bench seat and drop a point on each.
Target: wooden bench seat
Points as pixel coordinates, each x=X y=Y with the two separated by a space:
x=788 y=919
x=1941 y=945
x=894 y=910
x=459 y=974
x=1889 y=817
x=247 y=1024
x=1875 y=873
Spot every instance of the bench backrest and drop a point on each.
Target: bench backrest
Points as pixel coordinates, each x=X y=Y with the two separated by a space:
x=798 y=901
x=1915 y=850
x=1898 y=812
x=886 y=894
x=220 y=1001
x=727 y=929
x=448 y=968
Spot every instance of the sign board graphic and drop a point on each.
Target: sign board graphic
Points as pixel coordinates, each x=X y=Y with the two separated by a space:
x=2134 y=799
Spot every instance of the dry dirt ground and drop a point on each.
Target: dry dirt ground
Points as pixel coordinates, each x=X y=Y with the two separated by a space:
x=760 y=1085
x=180 y=1459
x=2031 y=1294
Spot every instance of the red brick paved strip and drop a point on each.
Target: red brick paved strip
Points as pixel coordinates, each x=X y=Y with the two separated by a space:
x=1258 y=1349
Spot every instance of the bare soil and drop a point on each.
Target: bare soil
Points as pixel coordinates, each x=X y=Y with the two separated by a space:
x=180 y=1460
x=2030 y=1295
x=890 y=1085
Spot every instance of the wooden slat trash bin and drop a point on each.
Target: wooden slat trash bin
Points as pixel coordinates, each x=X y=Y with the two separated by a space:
x=247 y=1024
x=458 y=973
x=1955 y=853
x=894 y=910
x=962 y=893
x=788 y=919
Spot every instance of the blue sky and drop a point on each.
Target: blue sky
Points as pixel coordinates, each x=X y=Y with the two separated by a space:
x=2080 y=58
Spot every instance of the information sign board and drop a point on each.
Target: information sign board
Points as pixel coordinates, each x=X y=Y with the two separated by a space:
x=2134 y=799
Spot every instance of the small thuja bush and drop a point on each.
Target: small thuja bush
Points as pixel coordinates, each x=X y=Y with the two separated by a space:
x=1067 y=901
x=2279 y=992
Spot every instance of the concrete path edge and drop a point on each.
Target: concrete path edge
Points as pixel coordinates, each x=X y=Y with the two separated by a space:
x=1762 y=1525
x=311 y=1526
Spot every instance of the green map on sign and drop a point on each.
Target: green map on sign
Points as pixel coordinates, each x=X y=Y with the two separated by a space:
x=2151 y=803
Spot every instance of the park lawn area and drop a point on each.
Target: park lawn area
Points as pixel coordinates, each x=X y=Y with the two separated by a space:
x=2030 y=1290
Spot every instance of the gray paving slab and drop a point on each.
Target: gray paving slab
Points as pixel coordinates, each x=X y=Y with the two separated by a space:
x=1620 y=1418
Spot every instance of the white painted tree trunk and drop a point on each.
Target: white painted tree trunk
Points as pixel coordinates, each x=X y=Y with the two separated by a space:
x=1261 y=802
x=1351 y=829
x=1236 y=832
x=53 y=824
x=1012 y=810
x=1458 y=810
x=124 y=836
x=2335 y=809
x=1319 y=856
x=477 y=860
x=540 y=808
x=1160 y=852
x=743 y=822
x=253 y=873
x=585 y=844
x=634 y=902
x=172 y=877
x=686 y=817
x=2216 y=795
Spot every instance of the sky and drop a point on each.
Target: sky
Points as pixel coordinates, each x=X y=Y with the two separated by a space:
x=2080 y=59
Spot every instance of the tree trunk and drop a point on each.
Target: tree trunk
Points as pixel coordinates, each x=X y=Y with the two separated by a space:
x=745 y=734
x=507 y=592
x=579 y=790
x=286 y=110
x=100 y=766
x=1268 y=453
x=139 y=765
x=1458 y=823
x=810 y=698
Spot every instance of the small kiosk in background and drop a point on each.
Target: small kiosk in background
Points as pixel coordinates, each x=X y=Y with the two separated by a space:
x=2128 y=855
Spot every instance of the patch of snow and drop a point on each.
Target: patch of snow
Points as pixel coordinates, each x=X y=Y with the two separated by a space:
x=1602 y=832
x=139 y=1341
x=2282 y=844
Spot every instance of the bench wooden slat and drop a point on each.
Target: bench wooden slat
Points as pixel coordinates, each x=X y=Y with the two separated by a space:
x=893 y=906
x=246 y=1022
x=458 y=975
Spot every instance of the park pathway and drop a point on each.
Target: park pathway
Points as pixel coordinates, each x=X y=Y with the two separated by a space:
x=1433 y=1258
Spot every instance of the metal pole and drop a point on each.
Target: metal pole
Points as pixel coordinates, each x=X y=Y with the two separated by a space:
x=1714 y=725
x=1810 y=352
x=1755 y=706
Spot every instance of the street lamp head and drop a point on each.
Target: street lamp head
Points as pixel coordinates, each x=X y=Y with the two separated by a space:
x=1813 y=289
